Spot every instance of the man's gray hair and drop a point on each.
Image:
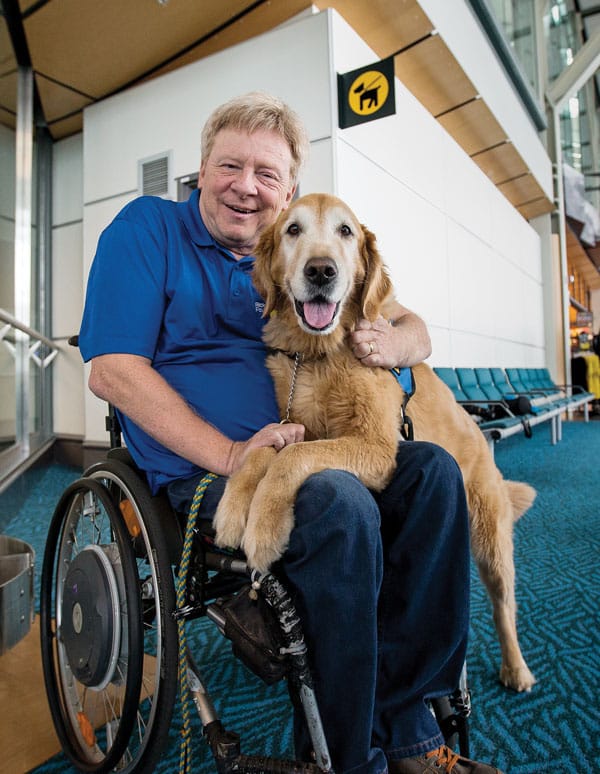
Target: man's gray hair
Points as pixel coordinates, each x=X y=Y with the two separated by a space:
x=254 y=112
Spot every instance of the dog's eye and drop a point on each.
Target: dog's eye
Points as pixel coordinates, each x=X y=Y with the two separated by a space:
x=293 y=229
x=345 y=230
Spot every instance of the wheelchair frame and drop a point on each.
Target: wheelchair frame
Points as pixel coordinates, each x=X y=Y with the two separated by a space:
x=110 y=649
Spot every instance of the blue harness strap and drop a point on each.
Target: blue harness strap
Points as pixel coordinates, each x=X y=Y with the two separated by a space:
x=406 y=380
x=404 y=377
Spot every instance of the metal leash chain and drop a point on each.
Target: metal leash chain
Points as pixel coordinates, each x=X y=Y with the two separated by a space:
x=297 y=361
x=185 y=757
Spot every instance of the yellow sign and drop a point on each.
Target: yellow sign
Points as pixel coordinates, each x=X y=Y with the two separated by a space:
x=368 y=93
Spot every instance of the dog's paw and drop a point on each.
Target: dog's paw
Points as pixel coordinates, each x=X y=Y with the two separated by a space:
x=518 y=678
x=229 y=524
x=265 y=541
x=259 y=555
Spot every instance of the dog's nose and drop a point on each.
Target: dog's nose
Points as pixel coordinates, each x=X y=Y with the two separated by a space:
x=320 y=271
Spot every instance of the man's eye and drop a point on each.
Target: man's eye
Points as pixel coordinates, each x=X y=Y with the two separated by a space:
x=345 y=230
x=293 y=229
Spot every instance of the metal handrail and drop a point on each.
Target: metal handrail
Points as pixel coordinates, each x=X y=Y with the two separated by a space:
x=12 y=322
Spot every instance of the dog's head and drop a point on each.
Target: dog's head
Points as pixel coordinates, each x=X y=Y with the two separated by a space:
x=319 y=261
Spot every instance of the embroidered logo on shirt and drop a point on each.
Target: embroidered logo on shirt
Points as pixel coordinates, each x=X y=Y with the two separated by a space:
x=259 y=307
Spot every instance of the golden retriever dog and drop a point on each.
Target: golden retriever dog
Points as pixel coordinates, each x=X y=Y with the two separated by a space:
x=319 y=271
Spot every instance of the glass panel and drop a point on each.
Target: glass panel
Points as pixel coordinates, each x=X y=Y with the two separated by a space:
x=563 y=41
x=8 y=93
x=574 y=131
x=34 y=305
x=516 y=17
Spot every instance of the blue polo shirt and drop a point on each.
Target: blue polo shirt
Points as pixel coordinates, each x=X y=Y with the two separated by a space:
x=162 y=288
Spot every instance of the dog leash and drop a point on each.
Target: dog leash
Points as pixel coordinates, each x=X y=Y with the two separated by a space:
x=185 y=755
x=298 y=358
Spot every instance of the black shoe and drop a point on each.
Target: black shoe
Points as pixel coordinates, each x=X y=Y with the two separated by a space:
x=440 y=760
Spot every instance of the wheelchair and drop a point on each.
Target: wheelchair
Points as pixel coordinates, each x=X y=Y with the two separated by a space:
x=110 y=619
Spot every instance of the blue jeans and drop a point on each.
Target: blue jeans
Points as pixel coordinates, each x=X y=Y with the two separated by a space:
x=381 y=582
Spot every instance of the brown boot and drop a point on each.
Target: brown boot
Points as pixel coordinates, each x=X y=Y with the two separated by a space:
x=437 y=761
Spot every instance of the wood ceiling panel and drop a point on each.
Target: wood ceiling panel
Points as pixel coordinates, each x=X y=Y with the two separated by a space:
x=8 y=92
x=594 y=254
x=473 y=126
x=583 y=265
x=501 y=163
x=578 y=258
x=433 y=75
x=8 y=79
x=58 y=101
x=8 y=62
x=522 y=190
x=261 y=19
x=113 y=42
x=68 y=126
x=385 y=25
x=25 y=5
x=8 y=119
x=536 y=208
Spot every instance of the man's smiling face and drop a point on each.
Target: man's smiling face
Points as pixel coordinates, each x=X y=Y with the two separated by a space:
x=245 y=184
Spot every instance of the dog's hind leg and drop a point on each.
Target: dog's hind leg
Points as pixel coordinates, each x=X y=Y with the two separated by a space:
x=492 y=544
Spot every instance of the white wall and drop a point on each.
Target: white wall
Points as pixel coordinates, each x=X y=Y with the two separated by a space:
x=67 y=284
x=459 y=254
x=461 y=32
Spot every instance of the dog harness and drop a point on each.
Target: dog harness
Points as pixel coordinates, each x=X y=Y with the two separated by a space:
x=406 y=380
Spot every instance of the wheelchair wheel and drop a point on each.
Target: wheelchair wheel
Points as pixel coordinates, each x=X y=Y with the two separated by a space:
x=109 y=643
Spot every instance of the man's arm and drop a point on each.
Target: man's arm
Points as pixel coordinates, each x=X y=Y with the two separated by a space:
x=397 y=340
x=133 y=386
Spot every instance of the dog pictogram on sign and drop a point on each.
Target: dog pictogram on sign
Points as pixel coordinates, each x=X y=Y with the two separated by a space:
x=366 y=93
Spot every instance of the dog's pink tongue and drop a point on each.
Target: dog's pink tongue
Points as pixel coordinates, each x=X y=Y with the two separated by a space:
x=318 y=315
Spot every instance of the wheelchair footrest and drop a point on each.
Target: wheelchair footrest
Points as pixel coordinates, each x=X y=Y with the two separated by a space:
x=254 y=764
x=225 y=746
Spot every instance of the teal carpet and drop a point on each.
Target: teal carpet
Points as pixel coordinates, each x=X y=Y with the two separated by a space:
x=554 y=728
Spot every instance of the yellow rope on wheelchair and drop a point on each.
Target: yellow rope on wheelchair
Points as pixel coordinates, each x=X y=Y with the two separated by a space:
x=185 y=758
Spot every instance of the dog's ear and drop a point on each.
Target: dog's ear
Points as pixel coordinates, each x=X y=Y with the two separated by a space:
x=261 y=273
x=377 y=286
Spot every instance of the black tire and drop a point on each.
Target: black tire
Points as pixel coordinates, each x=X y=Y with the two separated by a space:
x=91 y=627
x=121 y=510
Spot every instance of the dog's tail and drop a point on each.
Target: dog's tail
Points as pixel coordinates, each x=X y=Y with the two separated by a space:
x=521 y=497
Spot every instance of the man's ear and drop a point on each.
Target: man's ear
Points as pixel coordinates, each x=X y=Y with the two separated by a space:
x=377 y=285
x=289 y=196
x=201 y=174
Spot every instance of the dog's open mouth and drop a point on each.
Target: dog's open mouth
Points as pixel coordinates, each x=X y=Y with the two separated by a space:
x=318 y=314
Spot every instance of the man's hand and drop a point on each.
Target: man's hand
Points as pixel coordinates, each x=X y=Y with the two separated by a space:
x=401 y=340
x=276 y=435
x=373 y=343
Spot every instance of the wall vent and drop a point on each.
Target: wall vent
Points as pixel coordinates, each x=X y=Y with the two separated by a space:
x=153 y=174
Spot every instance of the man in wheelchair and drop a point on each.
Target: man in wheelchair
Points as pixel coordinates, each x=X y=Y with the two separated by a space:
x=172 y=327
